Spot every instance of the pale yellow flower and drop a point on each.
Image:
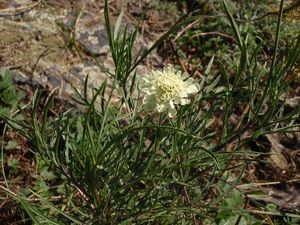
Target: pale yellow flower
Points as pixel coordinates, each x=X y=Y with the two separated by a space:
x=164 y=89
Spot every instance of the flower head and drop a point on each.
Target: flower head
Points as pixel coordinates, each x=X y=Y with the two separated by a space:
x=165 y=88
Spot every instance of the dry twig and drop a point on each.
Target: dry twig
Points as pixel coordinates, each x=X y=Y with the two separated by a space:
x=19 y=10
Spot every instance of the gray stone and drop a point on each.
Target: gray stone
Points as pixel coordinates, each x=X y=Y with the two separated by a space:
x=42 y=44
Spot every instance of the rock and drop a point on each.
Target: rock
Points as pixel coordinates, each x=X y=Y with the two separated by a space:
x=57 y=45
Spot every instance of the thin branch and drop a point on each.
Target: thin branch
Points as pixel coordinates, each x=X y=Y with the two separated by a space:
x=19 y=10
x=177 y=57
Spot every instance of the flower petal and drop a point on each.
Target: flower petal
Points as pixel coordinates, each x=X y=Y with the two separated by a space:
x=184 y=101
x=149 y=102
x=177 y=100
x=171 y=104
x=183 y=94
x=193 y=88
x=162 y=107
x=171 y=112
x=189 y=81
